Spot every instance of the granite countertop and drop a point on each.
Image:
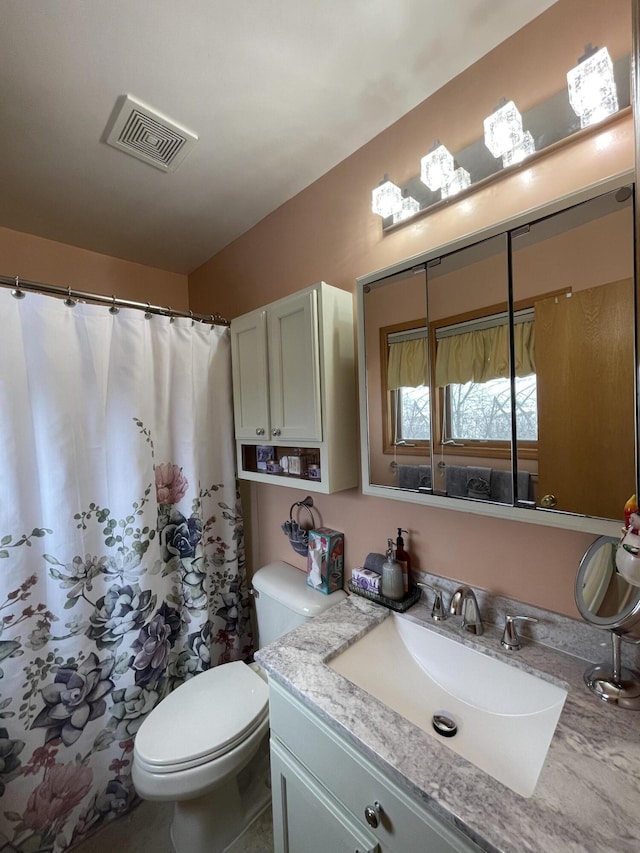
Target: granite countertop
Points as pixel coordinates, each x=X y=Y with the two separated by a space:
x=587 y=799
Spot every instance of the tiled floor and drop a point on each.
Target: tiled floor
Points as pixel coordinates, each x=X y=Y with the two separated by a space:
x=146 y=830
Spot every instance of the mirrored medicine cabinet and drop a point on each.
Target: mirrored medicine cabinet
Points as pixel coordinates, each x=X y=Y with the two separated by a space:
x=497 y=374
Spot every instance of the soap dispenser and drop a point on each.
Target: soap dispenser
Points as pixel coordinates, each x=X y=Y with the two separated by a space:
x=392 y=581
x=404 y=559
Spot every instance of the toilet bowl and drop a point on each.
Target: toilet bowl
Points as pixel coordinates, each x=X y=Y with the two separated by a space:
x=205 y=747
x=191 y=751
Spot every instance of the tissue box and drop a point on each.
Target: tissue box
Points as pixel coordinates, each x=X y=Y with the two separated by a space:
x=366 y=579
x=325 y=561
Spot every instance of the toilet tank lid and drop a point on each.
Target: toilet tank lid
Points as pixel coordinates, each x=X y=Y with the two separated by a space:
x=288 y=585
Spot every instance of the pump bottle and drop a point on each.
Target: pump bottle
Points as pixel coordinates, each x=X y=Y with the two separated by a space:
x=404 y=559
x=392 y=582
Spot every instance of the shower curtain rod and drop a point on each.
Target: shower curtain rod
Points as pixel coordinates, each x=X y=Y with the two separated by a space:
x=18 y=284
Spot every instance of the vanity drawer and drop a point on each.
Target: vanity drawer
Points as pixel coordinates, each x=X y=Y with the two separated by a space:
x=405 y=824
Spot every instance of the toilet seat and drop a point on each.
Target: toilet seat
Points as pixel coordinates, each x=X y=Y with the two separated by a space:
x=203 y=719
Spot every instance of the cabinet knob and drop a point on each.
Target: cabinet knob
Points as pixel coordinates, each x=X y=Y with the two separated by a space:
x=260 y=431
x=276 y=431
x=372 y=814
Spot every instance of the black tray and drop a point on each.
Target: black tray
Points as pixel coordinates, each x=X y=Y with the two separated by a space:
x=412 y=597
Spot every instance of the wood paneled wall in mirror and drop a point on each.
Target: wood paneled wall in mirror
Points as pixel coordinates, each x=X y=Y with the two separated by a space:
x=497 y=374
x=575 y=271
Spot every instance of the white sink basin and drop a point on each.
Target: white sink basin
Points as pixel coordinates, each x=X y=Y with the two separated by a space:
x=505 y=717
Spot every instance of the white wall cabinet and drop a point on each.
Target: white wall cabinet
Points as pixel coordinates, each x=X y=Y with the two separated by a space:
x=294 y=388
x=321 y=784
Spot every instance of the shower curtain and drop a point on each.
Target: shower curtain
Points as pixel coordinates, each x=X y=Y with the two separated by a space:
x=121 y=549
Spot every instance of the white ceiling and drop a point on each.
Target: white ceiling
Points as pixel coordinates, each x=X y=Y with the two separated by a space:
x=278 y=91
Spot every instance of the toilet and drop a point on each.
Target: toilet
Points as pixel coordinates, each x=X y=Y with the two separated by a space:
x=205 y=747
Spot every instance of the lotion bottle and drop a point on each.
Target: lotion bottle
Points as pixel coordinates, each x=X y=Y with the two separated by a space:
x=404 y=559
x=392 y=581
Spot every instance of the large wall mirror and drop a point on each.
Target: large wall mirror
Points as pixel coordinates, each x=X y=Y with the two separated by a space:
x=497 y=374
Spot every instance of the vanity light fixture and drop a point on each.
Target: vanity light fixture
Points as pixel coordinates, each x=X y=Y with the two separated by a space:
x=503 y=129
x=386 y=199
x=437 y=167
x=592 y=88
x=459 y=181
x=409 y=207
x=520 y=152
x=592 y=96
x=504 y=135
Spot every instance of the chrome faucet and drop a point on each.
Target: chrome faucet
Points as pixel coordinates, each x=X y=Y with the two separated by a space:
x=464 y=602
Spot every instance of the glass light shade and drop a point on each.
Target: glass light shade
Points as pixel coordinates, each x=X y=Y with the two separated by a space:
x=520 y=152
x=386 y=199
x=460 y=180
x=409 y=208
x=436 y=168
x=592 y=88
x=503 y=130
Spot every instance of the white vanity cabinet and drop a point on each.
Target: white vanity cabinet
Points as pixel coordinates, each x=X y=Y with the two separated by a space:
x=294 y=389
x=323 y=789
x=308 y=819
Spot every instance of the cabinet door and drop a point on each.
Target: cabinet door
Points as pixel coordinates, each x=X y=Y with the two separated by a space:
x=306 y=819
x=250 y=378
x=294 y=369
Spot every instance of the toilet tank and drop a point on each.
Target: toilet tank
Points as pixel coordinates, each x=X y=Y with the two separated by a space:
x=284 y=601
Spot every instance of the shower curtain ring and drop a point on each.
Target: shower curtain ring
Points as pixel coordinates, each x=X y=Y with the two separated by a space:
x=148 y=314
x=69 y=301
x=193 y=322
x=172 y=319
x=114 y=308
x=16 y=292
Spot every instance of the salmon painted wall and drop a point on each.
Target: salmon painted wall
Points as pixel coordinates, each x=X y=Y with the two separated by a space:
x=37 y=259
x=328 y=232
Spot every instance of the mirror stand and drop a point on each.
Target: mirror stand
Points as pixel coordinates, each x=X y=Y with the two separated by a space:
x=605 y=598
x=614 y=683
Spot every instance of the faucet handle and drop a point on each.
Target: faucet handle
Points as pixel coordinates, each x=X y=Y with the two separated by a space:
x=510 y=639
x=438 y=611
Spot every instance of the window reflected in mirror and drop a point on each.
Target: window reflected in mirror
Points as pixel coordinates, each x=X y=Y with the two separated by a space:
x=407 y=384
x=472 y=368
x=467 y=295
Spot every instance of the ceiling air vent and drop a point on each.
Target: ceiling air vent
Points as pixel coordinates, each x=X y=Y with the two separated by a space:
x=151 y=137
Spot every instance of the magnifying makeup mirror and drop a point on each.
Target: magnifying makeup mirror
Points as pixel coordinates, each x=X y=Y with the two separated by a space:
x=605 y=599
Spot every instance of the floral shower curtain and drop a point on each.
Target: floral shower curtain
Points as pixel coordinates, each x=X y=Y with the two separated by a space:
x=121 y=550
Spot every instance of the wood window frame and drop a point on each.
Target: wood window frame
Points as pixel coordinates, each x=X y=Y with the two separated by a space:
x=388 y=397
x=488 y=449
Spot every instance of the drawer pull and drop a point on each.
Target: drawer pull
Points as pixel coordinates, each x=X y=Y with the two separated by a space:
x=372 y=814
